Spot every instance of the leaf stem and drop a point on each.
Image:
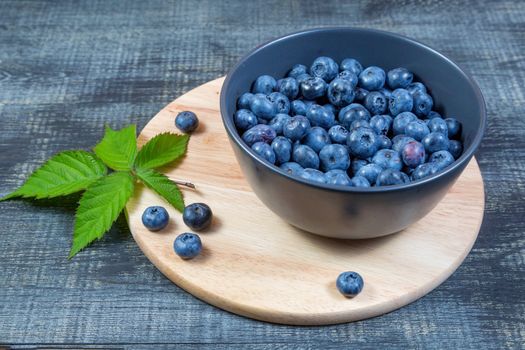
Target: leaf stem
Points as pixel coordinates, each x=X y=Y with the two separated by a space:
x=184 y=183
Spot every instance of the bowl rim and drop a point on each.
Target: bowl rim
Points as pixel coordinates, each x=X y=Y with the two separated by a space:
x=466 y=155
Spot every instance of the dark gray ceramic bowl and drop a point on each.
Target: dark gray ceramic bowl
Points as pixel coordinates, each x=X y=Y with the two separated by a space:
x=349 y=212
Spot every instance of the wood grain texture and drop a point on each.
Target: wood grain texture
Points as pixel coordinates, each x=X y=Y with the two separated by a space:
x=256 y=265
x=68 y=67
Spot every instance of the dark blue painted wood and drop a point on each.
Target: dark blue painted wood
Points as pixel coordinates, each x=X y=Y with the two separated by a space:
x=68 y=67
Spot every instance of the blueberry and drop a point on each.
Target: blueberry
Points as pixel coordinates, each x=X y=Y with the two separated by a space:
x=423 y=103
x=302 y=77
x=350 y=76
x=198 y=216
x=357 y=164
x=372 y=78
x=324 y=68
x=305 y=157
x=359 y=124
x=296 y=127
x=400 y=101
x=381 y=124
x=289 y=87
x=359 y=181
x=442 y=159
x=438 y=125
x=340 y=92
x=424 y=170
x=370 y=172
x=352 y=65
x=280 y=102
x=278 y=121
x=186 y=121
x=384 y=142
x=244 y=119
x=350 y=284
x=313 y=88
x=262 y=107
x=433 y=114
x=298 y=107
x=388 y=159
x=360 y=94
x=401 y=121
x=417 y=129
x=265 y=151
x=454 y=128
x=259 y=133
x=316 y=138
x=399 y=141
x=386 y=92
x=338 y=134
x=155 y=218
x=292 y=168
x=351 y=113
x=413 y=154
x=416 y=87
x=338 y=177
x=297 y=70
x=264 y=84
x=376 y=102
x=334 y=157
x=320 y=116
x=362 y=142
x=282 y=147
x=187 y=245
x=435 y=141
x=244 y=101
x=331 y=108
x=390 y=177
x=313 y=175
x=399 y=78
x=455 y=148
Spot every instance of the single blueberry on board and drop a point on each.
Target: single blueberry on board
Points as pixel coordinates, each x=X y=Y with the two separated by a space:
x=289 y=87
x=313 y=175
x=435 y=141
x=320 y=116
x=282 y=147
x=244 y=101
x=316 y=138
x=351 y=113
x=187 y=245
x=442 y=159
x=305 y=157
x=413 y=154
x=324 y=68
x=296 y=127
x=297 y=70
x=401 y=121
x=244 y=119
x=198 y=216
x=424 y=170
x=359 y=181
x=262 y=107
x=259 y=133
x=313 y=87
x=186 y=121
x=334 y=157
x=338 y=134
x=264 y=84
x=376 y=103
x=349 y=284
x=455 y=148
x=423 y=104
x=338 y=177
x=340 y=92
x=155 y=218
x=297 y=107
x=370 y=172
x=292 y=168
x=388 y=159
x=399 y=78
x=454 y=128
x=362 y=142
x=352 y=65
x=265 y=151
x=417 y=129
x=438 y=125
x=390 y=177
x=372 y=78
x=400 y=101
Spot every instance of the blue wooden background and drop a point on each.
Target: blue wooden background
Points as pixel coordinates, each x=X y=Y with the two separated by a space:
x=68 y=67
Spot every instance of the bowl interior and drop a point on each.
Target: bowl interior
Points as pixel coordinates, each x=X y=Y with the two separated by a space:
x=454 y=93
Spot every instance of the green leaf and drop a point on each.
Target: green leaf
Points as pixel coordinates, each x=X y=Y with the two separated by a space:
x=162 y=149
x=99 y=207
x=161 y=184
x=64 y=173
x=118 y=149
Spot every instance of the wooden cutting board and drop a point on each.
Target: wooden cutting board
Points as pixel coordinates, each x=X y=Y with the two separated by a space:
x=256 y=265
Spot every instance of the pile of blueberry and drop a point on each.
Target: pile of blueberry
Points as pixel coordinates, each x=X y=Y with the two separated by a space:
x=344 y=125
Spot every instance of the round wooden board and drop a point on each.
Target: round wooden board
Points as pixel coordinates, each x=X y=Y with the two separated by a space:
x=256 y=265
